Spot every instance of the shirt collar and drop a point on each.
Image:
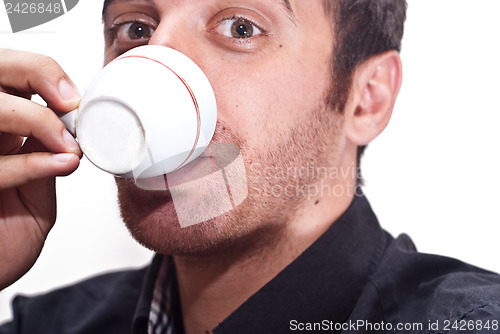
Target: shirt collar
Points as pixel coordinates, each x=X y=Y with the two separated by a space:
x=324 y=282
x=141 y=316
x=158 y=309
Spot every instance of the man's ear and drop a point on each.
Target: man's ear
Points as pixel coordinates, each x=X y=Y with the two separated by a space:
x=374 y=89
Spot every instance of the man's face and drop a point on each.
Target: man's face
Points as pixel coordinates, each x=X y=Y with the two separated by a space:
x=269 y=64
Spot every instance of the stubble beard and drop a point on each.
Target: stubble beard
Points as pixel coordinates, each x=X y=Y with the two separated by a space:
x=260 y=221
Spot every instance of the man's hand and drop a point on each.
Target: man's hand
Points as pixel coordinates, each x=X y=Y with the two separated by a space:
x=28 y=168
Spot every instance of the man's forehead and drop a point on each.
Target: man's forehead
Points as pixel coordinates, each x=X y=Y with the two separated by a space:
x=285 y=3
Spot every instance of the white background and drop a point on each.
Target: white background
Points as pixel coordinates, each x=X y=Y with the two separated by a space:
x=432 y=173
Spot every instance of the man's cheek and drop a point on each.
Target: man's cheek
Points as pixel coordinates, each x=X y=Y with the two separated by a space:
x=255 y=169
x=257 y=191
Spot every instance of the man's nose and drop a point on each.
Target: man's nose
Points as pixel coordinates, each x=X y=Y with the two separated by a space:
x=180 y=36
x=173 y=34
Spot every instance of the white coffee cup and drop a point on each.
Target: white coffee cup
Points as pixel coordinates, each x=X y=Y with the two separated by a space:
x=149 y=112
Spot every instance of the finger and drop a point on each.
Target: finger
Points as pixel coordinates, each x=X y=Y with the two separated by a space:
x=25 y=118
x=33 y=145
x=25 y=168
x=15 y=92
x=10 y=144
x=33 y=73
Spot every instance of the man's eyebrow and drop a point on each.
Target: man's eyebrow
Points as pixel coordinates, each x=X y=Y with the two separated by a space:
x=289 y=9
x=288 y=6
x=285 y=3
x=109 y=2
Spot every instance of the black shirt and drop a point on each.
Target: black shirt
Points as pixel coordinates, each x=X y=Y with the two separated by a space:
x=355 y=278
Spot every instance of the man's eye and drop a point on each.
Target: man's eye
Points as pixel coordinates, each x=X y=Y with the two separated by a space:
x=237 y=28
x=134 y=31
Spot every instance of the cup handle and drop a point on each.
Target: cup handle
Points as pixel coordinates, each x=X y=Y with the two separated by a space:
x=69 y=119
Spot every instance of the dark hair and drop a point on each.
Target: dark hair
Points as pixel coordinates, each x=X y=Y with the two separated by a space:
x=362 y=28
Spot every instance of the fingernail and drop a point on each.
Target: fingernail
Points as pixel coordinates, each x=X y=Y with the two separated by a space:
x=62 y=158
x=70 y=141
x=67 y=91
